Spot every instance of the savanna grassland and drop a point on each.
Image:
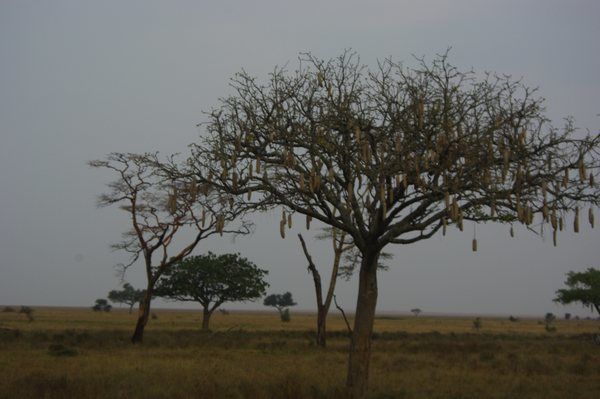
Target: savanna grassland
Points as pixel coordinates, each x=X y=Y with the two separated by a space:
x=77 y=353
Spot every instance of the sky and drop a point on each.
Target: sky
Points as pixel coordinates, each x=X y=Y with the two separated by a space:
x=80 y=79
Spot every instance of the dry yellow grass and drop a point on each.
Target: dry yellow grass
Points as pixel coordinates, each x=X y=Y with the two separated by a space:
x=79 y=353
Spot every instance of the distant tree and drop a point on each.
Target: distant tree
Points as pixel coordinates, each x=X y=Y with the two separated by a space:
x=477 y=323
x=567 y=316
x=416 y=311
x=281 y=302
x=27 y=311
x=101 y=305
x=128 y=295
x=584 y=287
x=513 y=319
x=164 y=202
x=8 y=309
x=213 y=280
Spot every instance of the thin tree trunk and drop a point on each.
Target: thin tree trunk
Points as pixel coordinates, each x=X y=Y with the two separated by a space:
x=360 y=347
x=143 y=315
x=205 y=318
x=321 y=326
x=131 y=308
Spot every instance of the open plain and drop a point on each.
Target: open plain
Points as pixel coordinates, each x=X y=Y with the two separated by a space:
x=77 y=353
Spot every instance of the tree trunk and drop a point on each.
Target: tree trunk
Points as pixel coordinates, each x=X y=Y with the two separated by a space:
x=131 y=308
x=321 y=326
x=360 y=347
x=143 y=315
x=205 y=318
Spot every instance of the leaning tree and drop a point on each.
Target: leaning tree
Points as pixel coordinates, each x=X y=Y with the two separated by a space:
x=394 y=155
x=170 y=213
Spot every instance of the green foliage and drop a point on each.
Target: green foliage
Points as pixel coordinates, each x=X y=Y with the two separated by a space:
x=101 y=305
x=213 y=280
x=281 y=302
x=128 y=295
x=583 y=287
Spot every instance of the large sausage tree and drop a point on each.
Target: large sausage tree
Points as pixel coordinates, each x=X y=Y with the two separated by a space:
x=393 y=156
x=170 y=213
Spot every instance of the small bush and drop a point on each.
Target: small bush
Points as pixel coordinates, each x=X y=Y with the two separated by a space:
x=61 y=350
x=27 y=311
x=285 y=316
x=477 y=323
x=154 y=316
x=513 y=319
x=8 y=309
x=224 y=312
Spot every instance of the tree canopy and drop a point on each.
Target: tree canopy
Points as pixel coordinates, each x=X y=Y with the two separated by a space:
x=583 y=287
x=128 y=295
x=279 y=301
x=213 y=280
x=392 y=156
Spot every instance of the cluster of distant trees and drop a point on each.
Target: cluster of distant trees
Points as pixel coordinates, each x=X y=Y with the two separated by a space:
x=210 y=280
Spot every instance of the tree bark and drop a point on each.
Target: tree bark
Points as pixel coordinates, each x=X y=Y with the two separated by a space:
x=360 y=347
x=321 y=326
x=205 y=318
x=143 y=315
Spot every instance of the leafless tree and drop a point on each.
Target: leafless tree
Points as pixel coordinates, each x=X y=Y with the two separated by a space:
x=394 y=155
x=341 y=243
x=346 y=258
x=170 y=211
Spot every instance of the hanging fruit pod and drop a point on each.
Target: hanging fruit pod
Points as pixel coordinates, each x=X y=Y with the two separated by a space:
x=203 y=218
x=512 y=231
x=591 y=217
x=289 y=221
x=282 y=228
x=576 y=221
x=561 y=223
x=474 y=245
x=308 y=220
x=554 y=240
x=582 y=171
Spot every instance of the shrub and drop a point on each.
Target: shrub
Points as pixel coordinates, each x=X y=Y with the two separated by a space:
x=513 y=319
x=61 y=350
x=27 y=311
x=8 y=309
x=285 y=315
x=477 y=324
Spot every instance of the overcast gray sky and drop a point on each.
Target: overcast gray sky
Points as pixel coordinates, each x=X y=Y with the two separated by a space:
x=79 y=79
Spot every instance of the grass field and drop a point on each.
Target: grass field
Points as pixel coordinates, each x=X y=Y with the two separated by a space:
x=76 y=353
